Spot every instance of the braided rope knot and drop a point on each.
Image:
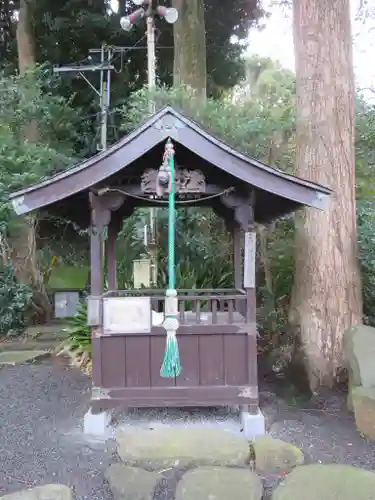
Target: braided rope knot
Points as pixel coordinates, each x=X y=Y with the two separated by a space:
x=168 y=152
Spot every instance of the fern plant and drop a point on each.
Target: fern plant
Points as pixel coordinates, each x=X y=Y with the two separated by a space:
x=78 y=343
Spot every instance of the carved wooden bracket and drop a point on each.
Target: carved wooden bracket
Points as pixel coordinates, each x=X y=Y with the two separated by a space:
x=101 y=208
x=243 y=208
x=186 y=181
x=225 y=214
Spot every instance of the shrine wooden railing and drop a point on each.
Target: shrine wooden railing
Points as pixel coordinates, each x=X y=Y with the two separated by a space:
x=199 y=307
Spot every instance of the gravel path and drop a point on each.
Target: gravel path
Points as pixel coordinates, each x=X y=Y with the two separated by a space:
x=325 y=431
x=42 y=408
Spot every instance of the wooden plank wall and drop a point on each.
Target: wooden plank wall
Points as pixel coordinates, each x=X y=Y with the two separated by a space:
x=206 y=360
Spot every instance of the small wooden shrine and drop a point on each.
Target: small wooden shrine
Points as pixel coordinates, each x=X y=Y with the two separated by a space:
x=217 y=336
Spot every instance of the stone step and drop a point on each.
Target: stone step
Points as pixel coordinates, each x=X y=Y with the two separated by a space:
x=177 y=446
x=18 y=357
x=31 y=345
x=46 y=492
x=219 y=483
x=327 y=482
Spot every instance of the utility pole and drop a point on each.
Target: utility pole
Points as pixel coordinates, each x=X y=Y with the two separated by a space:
x=151 y=64
x=151 y=74
x=105 y=67
x=148 y=11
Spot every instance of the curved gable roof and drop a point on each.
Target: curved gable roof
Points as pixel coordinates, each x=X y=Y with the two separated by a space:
x=156 y=129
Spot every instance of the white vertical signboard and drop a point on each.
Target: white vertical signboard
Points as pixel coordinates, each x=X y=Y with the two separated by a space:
x=249 y=264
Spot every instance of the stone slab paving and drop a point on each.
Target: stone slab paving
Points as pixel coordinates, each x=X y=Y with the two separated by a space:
x=327 y=482
x=131 y=483
x=181 y=447
x=218 y=483
x=274 y=455
x=18 y=357
x=213 y=462
x=46 y=492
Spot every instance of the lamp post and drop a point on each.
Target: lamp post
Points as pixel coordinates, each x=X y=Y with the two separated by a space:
x=147 y=11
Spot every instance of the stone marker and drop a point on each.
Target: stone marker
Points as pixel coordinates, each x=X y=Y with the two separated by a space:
x=47 y=492
x=364 y=410
x=273 y=455
x=327 y=482
x=359 y=348
x=181 y=446
x=131 y=483
x=219 y=483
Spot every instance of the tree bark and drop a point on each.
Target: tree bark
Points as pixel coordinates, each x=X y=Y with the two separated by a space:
x=25 y=38
x=23 y=240
x=190 y=65
x=327 y=291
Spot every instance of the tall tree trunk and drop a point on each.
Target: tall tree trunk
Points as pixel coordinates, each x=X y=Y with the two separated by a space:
x=25 y=38
x=190 y=66
x=26 y=57
x=23 y=240
x=5 y=29
x=327 y=291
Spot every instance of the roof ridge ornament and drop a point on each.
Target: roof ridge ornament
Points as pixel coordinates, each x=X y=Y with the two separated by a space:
x=169 y=122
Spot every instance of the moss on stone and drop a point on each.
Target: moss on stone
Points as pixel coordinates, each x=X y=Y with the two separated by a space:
x=46 y=492
x=131 y=483
x=17 y=357
x=179 y=446
x=219 y=483
x=327 y=482
x=276 y=455
x=364 y=410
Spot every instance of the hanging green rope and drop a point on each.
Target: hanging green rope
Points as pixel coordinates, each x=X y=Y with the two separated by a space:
x=171 y=366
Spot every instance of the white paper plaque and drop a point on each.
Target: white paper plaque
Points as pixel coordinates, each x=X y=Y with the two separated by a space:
x=126 y=315
x=249 y=264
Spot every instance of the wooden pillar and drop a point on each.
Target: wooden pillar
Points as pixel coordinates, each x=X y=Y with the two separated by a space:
x=111 y=254
x=237 y=264
x=98 y=222
x=96 y=256
x=101 y=208
x=249 y=285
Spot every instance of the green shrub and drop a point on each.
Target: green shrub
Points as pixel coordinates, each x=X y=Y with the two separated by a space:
x=79 y=340
x=366 y=251
x=14 y=301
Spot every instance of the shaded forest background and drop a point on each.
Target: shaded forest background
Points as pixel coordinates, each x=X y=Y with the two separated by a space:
x=48 y=122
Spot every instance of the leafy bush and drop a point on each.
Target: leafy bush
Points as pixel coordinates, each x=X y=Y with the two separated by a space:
x=366 y=248
x=249 y=126
x=14 y=301
x=79 y=340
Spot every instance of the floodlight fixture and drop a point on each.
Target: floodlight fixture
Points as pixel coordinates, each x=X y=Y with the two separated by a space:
x=127 y=22
x=169 y=14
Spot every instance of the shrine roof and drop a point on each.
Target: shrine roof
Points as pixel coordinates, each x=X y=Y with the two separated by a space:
x=168 y=123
